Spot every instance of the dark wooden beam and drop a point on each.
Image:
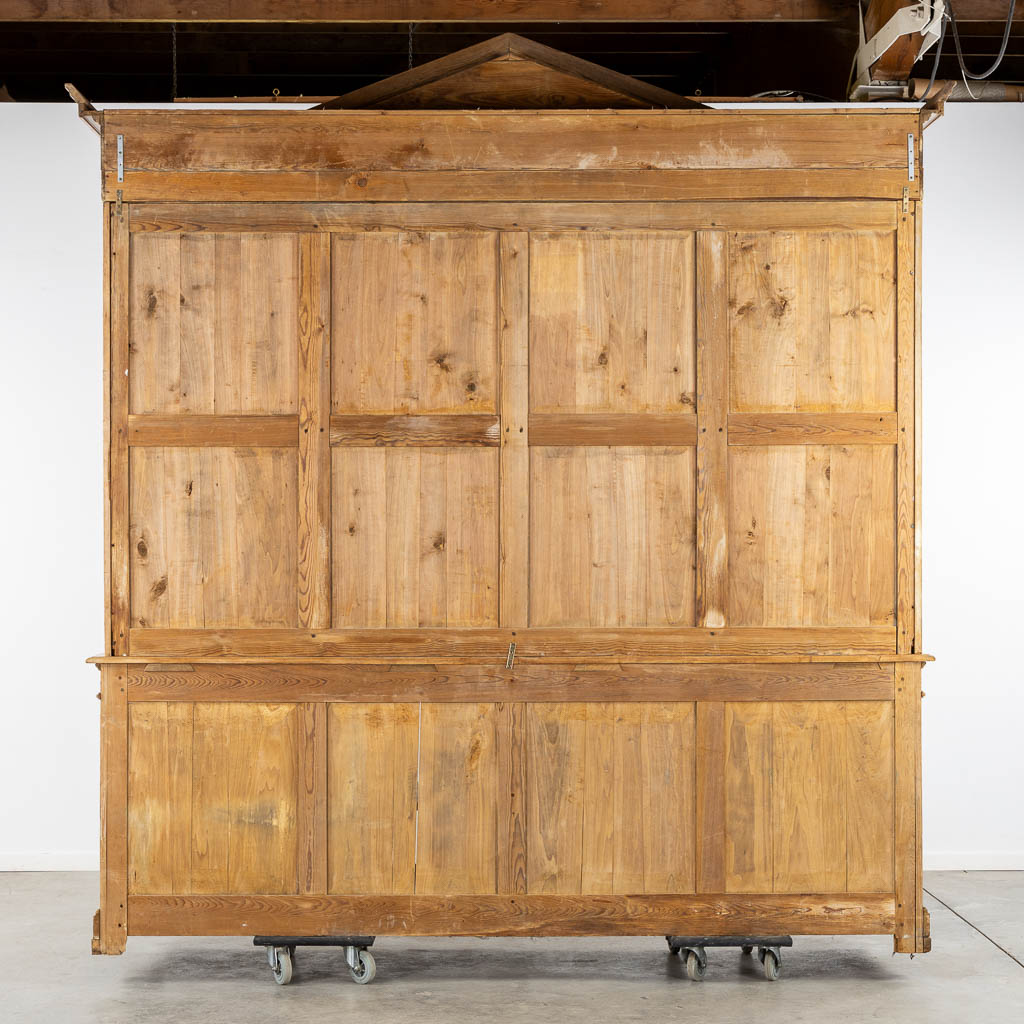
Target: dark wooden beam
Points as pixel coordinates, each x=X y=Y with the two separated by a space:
x=424 y=10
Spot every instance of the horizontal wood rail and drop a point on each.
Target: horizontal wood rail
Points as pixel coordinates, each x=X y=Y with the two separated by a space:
x=525 y=914
x=612 y=428
x=869 y=215
x=471 y=429
x=813 y=428
x=363 y=186
x=490 y=646
x=158 y=431
x=472 y=683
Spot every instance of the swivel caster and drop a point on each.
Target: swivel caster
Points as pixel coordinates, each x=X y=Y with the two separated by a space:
x=696 y=965
x=361 y=965
x=280 y=960
x=771 y=961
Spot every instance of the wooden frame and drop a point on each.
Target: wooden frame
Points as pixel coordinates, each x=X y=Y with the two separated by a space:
x=466 y=448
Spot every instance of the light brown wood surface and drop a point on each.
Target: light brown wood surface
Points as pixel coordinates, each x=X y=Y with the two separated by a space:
x=482 y=530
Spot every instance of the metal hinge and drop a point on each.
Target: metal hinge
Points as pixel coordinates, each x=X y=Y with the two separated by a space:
x=906 y=198
x=120 y=158
x=511 y=659
x=910 y=157
x=120 y=199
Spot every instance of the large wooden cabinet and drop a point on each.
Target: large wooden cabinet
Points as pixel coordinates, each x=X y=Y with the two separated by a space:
x=512 y=524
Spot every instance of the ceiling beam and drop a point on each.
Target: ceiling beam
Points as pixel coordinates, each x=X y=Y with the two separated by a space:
x=424 y=10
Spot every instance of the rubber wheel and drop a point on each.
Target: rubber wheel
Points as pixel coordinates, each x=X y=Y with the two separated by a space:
x=771 y=965
x=746 y=950
x=671 y=948
x=283 y=970
x=367 y=969
x=694 y=968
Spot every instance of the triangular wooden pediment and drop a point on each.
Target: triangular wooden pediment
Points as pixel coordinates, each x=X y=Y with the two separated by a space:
x=509 y=73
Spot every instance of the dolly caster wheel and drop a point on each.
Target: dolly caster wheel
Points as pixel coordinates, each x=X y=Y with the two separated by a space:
x=361 y=965
x=771 y=963
x=695 y=967
x=671 y=948
x=746 y=950
x=280 y=960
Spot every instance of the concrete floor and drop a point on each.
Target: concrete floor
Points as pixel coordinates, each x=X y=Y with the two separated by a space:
x=974 y=973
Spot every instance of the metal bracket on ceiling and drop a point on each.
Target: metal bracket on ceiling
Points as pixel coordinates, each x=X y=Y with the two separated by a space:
x=86 y=111
x=924 y=19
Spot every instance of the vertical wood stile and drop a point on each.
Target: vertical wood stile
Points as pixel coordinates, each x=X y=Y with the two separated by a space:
x=113 y=808
x=108 y=213
x=119 y=488
x=311 y=806
x=514 y=514
x=710 y=785
x=918 y=419
x=907 y=732
x=511 y=832
x=712 y=441
x=905 y=460
x=314 y=489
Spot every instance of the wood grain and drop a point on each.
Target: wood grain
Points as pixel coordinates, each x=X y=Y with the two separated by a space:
x=709 y=782
x=423 y=431
x=113 y=931
x=510 y=803
x=611 y=322
x=712 y=466
x=119 y=487
x=812 y=321
x=909 y=926
x=593 y=429
x=527 y=682
x=629 y=214
x=415 y=537
x=156 y=430
x=313 y=536
x=563 y=645
x=414 y=322
x=530 y=914
x=213 y=537
x=213 y=323
x=906 y=466
x=514 y=468
x=555 y=186
x=811 y=535
x=810 y=428
x=371 y=803
x=611 y=537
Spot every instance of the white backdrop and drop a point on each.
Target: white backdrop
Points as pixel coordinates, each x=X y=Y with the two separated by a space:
x=51 y=590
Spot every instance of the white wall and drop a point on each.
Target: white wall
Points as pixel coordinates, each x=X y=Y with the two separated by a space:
x=51 y=590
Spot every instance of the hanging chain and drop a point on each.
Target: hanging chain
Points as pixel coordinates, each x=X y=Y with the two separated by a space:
x=412 y=28
x=174 y=60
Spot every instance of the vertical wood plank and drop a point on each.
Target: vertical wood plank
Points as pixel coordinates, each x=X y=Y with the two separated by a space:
x=458 y=780
x=748 y=797
x=909 y=936
x=511 y=836
x=808 y=783
x=710 y=786
x=712 y=413
x=869 y=796
x=314 y=456
x=311 y=803
x=120 y=342
x=556 y=741
x=918 y=420
x=113 y=806
x=160 y=797
x=108 y=214
x=906 y=470
x=372 y=797
x=514 y=370
x=360 y=541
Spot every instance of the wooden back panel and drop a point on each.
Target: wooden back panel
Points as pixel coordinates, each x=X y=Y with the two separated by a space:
x=614 y=428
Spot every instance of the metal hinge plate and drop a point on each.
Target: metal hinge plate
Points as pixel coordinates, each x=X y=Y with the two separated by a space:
x=511 y=659
x=120 y=158
x=906 y=199
x=910 y=157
